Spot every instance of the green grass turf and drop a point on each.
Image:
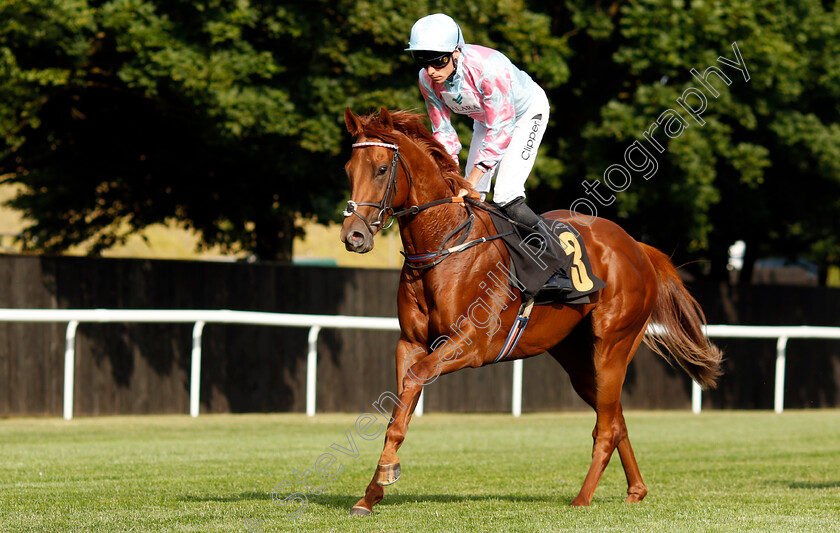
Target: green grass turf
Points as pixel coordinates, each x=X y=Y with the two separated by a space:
x=718 y=471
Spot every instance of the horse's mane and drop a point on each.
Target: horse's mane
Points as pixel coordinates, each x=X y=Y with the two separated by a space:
x=411 y=125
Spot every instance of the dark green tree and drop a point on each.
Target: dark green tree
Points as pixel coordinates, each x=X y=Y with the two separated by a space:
x=224 y=115
x=228 y=115
x=761 y=168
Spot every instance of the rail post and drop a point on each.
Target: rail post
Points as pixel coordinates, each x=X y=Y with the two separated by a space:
x=419 y=408
x=516 y=400
x=195 y=369
x=312 y=370
x=69 y=367
x=696 y=398
x=779 y=396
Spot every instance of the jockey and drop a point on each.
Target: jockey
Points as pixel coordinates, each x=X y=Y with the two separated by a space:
x=509 y=111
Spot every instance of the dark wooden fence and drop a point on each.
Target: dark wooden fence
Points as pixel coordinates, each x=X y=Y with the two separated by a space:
x=138 y=369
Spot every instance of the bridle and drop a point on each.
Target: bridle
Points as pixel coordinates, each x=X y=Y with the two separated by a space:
x=385 y=207
x=427 y=260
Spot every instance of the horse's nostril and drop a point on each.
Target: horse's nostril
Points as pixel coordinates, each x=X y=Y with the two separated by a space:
x=356 y=237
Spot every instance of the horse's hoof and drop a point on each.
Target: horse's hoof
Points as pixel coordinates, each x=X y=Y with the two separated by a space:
x=359 y=511
x=637 y=496
x=388 y=474
x=580 y=502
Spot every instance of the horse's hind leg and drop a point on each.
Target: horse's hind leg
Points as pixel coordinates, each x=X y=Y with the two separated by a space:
x=597 y=375
x=636 y=489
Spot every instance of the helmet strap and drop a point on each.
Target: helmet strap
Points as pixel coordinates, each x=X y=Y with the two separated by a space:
x=454 y=64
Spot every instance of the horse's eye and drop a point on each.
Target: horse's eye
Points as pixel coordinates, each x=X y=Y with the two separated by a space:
x=381 y=170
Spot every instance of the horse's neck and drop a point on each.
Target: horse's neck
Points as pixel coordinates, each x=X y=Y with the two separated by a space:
x=425 y=231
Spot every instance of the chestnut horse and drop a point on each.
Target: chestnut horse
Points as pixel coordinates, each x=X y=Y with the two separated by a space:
x=396 y=164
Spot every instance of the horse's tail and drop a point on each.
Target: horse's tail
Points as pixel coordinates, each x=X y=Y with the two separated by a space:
x=677 y=325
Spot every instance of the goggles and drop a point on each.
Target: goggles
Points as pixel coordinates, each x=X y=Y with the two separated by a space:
x=435 y=59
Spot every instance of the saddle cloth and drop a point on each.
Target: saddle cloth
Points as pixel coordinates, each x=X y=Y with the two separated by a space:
x=532 y=265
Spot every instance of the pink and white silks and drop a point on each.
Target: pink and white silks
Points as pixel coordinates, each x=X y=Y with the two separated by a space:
x=510 y=113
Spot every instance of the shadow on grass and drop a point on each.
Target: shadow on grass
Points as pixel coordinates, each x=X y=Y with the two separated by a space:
x=812 y=485
x=345 y=502
x=227 y=497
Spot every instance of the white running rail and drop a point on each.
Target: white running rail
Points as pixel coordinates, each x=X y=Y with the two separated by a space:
x=199 y=318
x=781 y=334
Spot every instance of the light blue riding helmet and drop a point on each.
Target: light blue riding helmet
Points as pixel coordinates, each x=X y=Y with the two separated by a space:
x=435 y=33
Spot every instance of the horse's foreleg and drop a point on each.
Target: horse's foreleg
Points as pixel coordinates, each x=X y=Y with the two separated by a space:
x=375 y=491
x=414 y=377
x=424 y=371
x=388 y=469
x=373 y=495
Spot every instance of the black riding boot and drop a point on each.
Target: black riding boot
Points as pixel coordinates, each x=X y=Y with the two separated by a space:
x=559 y=283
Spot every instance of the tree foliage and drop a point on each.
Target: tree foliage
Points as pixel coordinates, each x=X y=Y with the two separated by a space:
x=761 y=168
x=227 y=115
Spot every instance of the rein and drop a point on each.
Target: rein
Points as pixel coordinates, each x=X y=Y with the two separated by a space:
x=386 y=210
x=435 y=258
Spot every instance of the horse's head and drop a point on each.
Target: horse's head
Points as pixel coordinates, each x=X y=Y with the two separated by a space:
x=379 y=179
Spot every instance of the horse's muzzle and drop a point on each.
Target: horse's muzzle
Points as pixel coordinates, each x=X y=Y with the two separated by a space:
x=356 y=237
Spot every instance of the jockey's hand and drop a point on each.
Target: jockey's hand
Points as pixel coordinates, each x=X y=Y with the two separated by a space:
x=474 y=177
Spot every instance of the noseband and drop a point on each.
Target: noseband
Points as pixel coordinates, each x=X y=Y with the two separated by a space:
x=385 y=205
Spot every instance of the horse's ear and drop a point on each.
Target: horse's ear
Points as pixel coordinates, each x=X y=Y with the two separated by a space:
x=354 y=125
x=385 y=119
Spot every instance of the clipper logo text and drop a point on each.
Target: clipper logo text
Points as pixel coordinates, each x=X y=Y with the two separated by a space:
x=532 y=138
